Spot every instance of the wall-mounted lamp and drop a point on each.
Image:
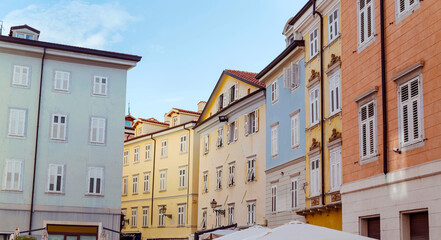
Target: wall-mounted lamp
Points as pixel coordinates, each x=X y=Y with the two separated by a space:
x=163 y=211
x=223 y=119
x=217 y=211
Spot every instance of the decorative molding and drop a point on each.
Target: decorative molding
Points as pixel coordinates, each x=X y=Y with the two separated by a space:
x=334 y=64
x=314 y=152
x=336 y=197
x=294 y=113
x=315 y=144
x=314 y=79
x=366 y=94
x=334 y=144
x=408 y=70
x=315 y=201
x=335 y=135
x=275 y=181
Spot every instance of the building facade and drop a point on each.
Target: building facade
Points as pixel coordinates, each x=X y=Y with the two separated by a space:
x=62 y=109
x=319 y=24
x=284 y=78
x=232 y=153
x=160 y=177
x=391 y=171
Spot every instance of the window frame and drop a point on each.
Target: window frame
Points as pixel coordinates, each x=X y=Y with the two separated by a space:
x=125 y=186
x=294 y=193
x=126 y=155
x=183 y=143
x=231 y=174
x=275 y=140
x=14 y=72
x=314 y=43
x=335 y=161
x=409 y=9
x=369 y=156
x=367 y=39
x=99 y=174
x=314 y=102
x=251 y=213
x=230 y=214
x=232 y=131
x=251 y=169
x=136 y=154
x=20 y=129
x=6 y=169
x=275 y=90
x=295 y=130
x=164 y=148
x=134 y=217
x=205 y=182
x=251 y=122
x=97 y=88
x=206 y=144
x=204 y=219
x=146 y=182
x=274 y=198
x=219 y=178
x=182 y=173
x=135 y=184
x=145 y=216
x=181 y=214
x=333 y=34
x=148 y=152
x=51 y=166
x=161 y=216
x=97 y=140
x=220 y=137
x=334 y=82
x=62 y=79
x=162 y=180
x=315 y=181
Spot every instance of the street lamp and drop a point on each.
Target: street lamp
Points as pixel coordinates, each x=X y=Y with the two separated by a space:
x=217 y=211
x=163 y=211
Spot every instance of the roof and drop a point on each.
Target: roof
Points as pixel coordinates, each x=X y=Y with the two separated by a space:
x=249 y=77
x=187 y=111
x=129 y=116
x=23 y=26
x=301 y=12
x=153 y=120
x=70 y=48
x=292 y=46
x=162 y=130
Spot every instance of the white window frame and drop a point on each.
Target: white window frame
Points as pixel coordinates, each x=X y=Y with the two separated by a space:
x=219 y=178
x=234 y=92
x=218 y=218
x=58 y=129
x=164 y=148
x=274 y=198
x=275 y=90
x=97 y=173
x=61 y=81
x=204 y=219
x=183 y=143
x=371 y=125
x=334 y=93
x=314 y=42
x=251 y=122
x=174 y=121
x=163 y=180
x=135 y=184
x=232 y=132
x=181 y=214
x=182 y=182
x=148 y=151
x=97 y=124
x=251 y=169
x=334 y=25
x=161 y=216
x=206 y=143
x=17 y=122
x=221 y=102
x=55 y=177
x=231 y=176
x=15 y=175
x=125 y=185
x=20 y=76
x=134 y=218
x=230 y=214
x=146 y=182
x=136 y=154
x=314 y=175
x=145 y=216
x=292 y=76
x=408 y=9
x=220 y=137
x=100 y=87
x=126 y=157
x=335 y=168
x=295 y=130
x=205 y=180
x=368 y=39
x=251 y=213
x=294 y=189
x=314 y=108
x=275 y=141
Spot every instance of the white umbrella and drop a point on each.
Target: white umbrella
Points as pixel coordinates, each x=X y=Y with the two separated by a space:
x=298 y=230
x=247 y=234
x=15 y=234
x=216 y=234
x=44 y=235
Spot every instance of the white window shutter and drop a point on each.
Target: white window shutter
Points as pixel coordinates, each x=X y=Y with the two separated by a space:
x=225 y=99
x=235 y=130
x=295 y=78
x=256 y=118
x=247 y=118
x=236 y=91
x=228 y=133
x=286 y=77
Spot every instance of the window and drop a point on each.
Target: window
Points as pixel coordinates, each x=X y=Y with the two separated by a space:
x=20 y=76
x=231 y=170
x=415 y=225
x=205 y=178
x=313 y=43
x=17 y=122
x=368 y=130
x=366 y=23
x=162 y=180
x=97 y=130
x=134 y=217
x=139 y=131
x=100 y=86
x=230 y=214
x=404 y=8
x=294 y=193
x=135 y=184
x=204 y=219
x=124 y=185
x=410 y=112
x=274 y=140
x=291 y=39
x=295 y=130
x=124 y=213
x=148 y=151
x=175 y=121
x=145 y=216
x=136 y=154
x=314 y=110
x=251 y=213
x=275 y=90
x=55 y=178
x=183 y=144
x=12 y=175
x=126 y=157
x=206 y=143
x=218 y=218
x=232 y=132
x=61 y=81
x=96 y=180
x=234 y=93
x=146 y=182
x=315 y=176
x=370 y=227
x=336 y=174
x=58 y=129
x=164 y=148
x=252 y=122
x=181 y=215
x=291 y=76
x=219 y=178
x=333 y=27
x=251 y=169
x=334 y=93
x=220 y=137
x=25 y=36
x=161 y=217
x=274 y=199
x=182 y=177
x=221 y=102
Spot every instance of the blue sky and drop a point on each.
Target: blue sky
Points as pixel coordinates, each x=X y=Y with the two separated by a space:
x=185 y=45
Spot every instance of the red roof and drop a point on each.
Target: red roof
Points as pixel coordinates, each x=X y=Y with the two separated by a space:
x=247 y=76
x=153 y=120
x=187 y=111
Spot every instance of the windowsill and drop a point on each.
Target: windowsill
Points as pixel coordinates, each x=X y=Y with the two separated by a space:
x=312 y=127
x=16 y=136
x=333 y=115
x=400 y=17
x=251 y=181
x=218 y=147
x=19 y=85
x=333 y=41
x=182 y=188
x=57 y=140
x=218 y=189
x=97 y=144
x=162 y=190
x=312 y=58
x=295 y=146
x=124 y=195
x=164 y=156
x=135 y=162
x=295 y=88
x=182 y=153
x=12 y=190
x=135 y=193
x=368 y=159
x=180 y=226
x=55 y=193
x=231 y=185
x=145 y=160
x=94 y=195
x=62 y=90
x=368 y=42
x=161 y=226
x=125 y=165
x=274 y=101
x=412 y=146
x=99 y=95
x=275 y=156
x=145 y=227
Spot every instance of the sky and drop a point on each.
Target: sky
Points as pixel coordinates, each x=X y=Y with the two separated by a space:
x=185 y=45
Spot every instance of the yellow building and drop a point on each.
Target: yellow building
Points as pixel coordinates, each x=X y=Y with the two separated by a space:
x=232 y=153
x=160 y=176
x=319 y=24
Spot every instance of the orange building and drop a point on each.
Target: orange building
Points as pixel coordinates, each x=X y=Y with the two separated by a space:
x=392 y=162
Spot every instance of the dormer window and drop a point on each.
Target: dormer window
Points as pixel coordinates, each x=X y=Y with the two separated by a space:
x=291 y=39
x=25 y=36
x=175 y=121
x=25 y=32
x=234 y=93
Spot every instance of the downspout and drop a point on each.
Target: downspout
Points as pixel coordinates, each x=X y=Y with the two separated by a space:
x=36 y=141
x=153 y=176
x=322 y=145
x=188 y=173
x=383 y=87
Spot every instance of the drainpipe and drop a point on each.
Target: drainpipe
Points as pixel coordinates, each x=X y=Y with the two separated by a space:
x=383 y=87
x=153 y=176
x=188 y=173
x=36 y=141
x=322 y=145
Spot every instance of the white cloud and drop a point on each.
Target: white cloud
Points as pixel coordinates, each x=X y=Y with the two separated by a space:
x=74 y=22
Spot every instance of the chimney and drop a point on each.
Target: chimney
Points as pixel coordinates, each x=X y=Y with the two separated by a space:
x=201 y=106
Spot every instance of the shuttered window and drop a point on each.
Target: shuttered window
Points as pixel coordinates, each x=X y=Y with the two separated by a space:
x=291 y=76
x=205 y=186
x=275 y=90
x=12 y=175
x=404 y=8
x=366 y=22
x=315 y=176
x=334 y=93
x=294 y=193
x=314 y=110
x=336 y=170
x=20 y=76
x=61 y=81
x=164 y=148
x=55 y=178
x=146 y=182
x=231 y=178
x=251 y=169
x=96 y=176
x=274 y=140
x=100 y=85
x=230 y=214
x=162 y=180
x=410 y=112
x=182 y=177
x=251 y=122
x=251 y=213
x=333 y=25
x=17 y=122
x=274 y=199
x=97 y=130
x=220 y=137
x=58 y=129
x=206 y=143
x=295 y=130
x=219 y=178
x=313 y=43
x=368 y=130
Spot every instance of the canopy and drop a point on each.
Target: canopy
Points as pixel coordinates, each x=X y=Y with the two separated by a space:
x=216 y=234
x=247 y=234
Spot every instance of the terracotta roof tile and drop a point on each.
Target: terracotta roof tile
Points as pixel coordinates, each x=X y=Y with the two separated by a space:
x=153 y=120
x=187 y=111
x=247 y=76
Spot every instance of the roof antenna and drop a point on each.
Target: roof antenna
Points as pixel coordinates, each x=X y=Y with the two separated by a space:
x=129 y=108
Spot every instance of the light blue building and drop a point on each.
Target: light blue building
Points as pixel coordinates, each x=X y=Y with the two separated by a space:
x=61 y=135
x=285 y=128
